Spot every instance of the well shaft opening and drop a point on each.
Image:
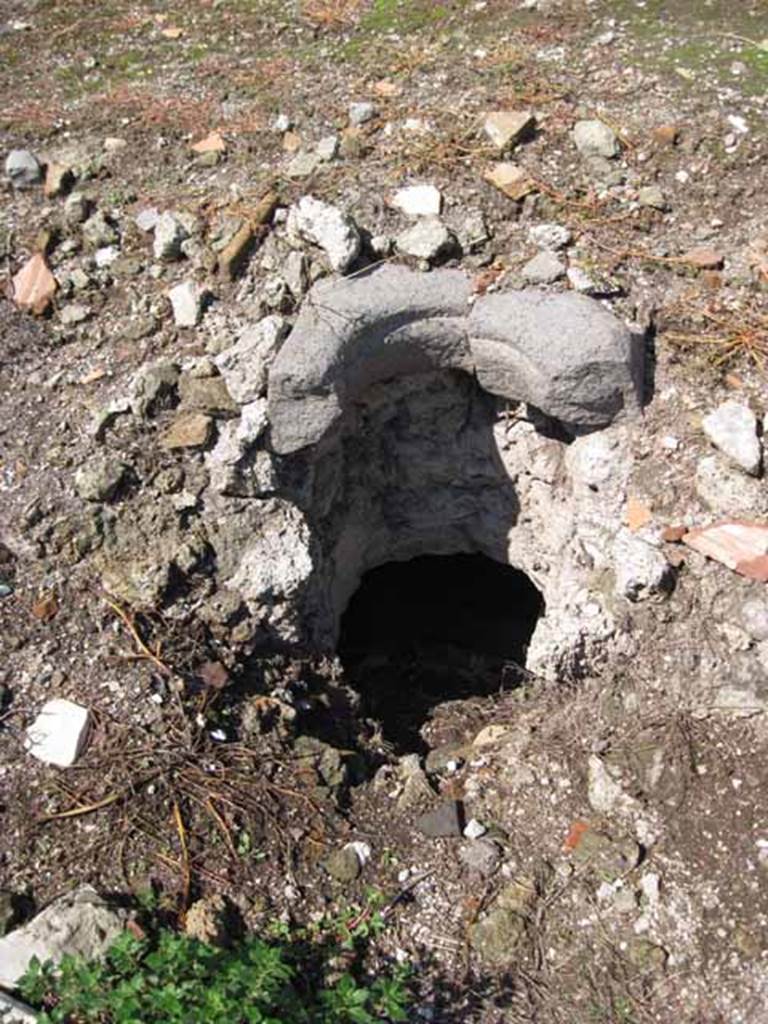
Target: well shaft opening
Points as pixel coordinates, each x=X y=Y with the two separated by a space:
x=433 y=629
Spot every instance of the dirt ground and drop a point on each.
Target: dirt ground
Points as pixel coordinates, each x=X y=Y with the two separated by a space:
x=200 y=774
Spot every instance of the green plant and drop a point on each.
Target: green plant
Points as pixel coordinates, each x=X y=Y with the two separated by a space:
x=174 y=979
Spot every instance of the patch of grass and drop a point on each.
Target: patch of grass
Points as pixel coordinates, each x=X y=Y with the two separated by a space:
x=402 y=15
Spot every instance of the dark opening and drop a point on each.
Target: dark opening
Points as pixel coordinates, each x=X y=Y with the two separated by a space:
x=437 y=628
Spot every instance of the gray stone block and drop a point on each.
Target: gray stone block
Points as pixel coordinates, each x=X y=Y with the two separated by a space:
x=565 y=354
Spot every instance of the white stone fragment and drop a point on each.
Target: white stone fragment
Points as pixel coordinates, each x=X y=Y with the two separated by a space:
x=253 y=421
x=146 y=220
x=312 y=220
x=169 y=234
x=362 y=851
x=549 y=236
x=732 y=428
x=604 y=793
x=418 y=201
x=650 y=885
x=328 y=147
x=595 y=138
x=581 y=281
x=426 y=240
x=474 y=829
x=106 y=255
x=245 y=364
x=187 y=301
x=361 y=113
x=58 y=734
x=79 y=923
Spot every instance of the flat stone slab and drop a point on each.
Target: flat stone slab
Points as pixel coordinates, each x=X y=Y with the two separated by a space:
x=565 y=354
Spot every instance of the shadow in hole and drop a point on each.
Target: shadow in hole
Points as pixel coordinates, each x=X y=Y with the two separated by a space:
x=434 y=629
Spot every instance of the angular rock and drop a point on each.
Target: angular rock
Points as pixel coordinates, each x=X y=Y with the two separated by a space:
x=474 y=829
x=73 y=313
x=76 y=208
x=153 y=387
x=106 y=256
x=605 y=794
x=490 y=735
x=497 y=936
x=169 y=234
x=14 y=1012
x=34 y=286
x=545 y=268
x=244 y=366
x=80 y=924
x=97 y=231
x=564 y=354
x=327 y=148
x=187 y=302
x=235 y=468
x=445 y=820
x=582 y=282
x=608 y=857
x=58 y=180
x=322 y=224
x=294 y=271
x=732 y=428
x=550 y=237
x=344 y=864
x=595 y=139
x=653 y=197
x=267 y=555
x=428 y=239
x=188 y=430
x=505 y=128
x=641 y=570
x=58 y=734
x=212 y=143
x=303 y=165
x=206 y=394
x=481 y=856
x=418 y=201
x=146 y=220
x=727 y=491
x=23 y=169
x=417 y=791
x=361 y=113
x=100 y=479
x=512 y=180
x=253 y=421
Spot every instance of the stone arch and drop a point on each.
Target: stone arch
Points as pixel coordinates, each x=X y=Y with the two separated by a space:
x=562 y=353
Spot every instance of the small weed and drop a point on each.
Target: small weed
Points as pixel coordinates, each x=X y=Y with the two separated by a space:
x=331 y=14
x=171 y=978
